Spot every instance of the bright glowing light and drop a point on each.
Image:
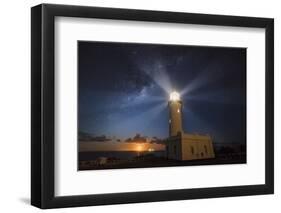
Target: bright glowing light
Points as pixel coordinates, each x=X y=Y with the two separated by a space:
x=174 y=96
x=151 y=150
x=139 y=148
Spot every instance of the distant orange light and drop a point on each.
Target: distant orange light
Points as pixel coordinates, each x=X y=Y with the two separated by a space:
x=151 y=150
x=139 y=148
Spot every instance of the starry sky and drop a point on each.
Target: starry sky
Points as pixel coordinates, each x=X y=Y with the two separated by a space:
x=124 y=89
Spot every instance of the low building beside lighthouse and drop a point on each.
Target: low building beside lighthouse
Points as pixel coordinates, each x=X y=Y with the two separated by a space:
x=181 y=145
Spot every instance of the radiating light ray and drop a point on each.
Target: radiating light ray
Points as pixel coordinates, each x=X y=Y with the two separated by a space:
x=135 y=100
x=204 y=78
x=149 y=114
x=219 y=97
x=158 y=73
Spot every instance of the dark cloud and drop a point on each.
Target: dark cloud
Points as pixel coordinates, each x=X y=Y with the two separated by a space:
x=144 y=139
x=137 y=139
x=86 y=137
x=157 y=140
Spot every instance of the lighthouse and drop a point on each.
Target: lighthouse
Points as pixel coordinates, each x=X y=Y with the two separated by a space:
x=175 y=111
x=181 y=145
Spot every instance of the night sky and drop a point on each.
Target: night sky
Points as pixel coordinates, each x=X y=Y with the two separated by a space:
x=124 y=89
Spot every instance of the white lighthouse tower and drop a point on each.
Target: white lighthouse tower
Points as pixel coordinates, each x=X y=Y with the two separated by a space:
x=175 y=110
x=185 y=146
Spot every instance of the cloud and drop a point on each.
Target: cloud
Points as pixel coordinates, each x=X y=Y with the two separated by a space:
x=86 y=137
x=101 y=138
x=144 y=139
x=137 y=139
x=157 y=140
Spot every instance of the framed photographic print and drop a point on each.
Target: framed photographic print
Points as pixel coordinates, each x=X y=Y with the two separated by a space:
x=139 y=106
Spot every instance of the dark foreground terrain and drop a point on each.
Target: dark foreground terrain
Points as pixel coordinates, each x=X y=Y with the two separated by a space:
x=150 y=160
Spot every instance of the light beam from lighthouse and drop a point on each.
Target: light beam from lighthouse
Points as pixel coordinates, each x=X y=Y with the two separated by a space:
x=175 y=108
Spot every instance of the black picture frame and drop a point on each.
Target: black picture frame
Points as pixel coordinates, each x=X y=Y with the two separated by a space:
x=43 y=113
